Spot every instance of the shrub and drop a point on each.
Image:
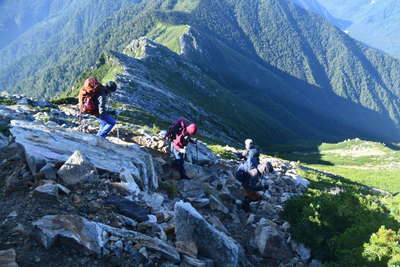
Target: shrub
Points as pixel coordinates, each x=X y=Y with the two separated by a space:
x=384 y=246
x=335 y=224
x=64 y=101
x=7 y=101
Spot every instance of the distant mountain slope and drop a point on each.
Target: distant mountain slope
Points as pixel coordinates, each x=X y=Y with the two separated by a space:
x=39 y=25
x=305 y=78
x=374 y=22
x=17 y=16
x=317 y=8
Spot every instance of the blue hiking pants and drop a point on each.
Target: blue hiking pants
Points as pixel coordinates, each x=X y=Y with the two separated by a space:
x=106 y=125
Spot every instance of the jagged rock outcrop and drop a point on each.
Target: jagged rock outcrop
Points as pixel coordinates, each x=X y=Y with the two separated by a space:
x=150 y=91
x=94 y=236
x=56 y=144
x=122 y=215
x=191 y=227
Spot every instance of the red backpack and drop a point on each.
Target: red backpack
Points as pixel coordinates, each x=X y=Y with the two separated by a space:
x=87 y=94
x=176 y=128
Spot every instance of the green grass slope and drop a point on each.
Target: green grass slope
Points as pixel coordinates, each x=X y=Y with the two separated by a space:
x=369 y=163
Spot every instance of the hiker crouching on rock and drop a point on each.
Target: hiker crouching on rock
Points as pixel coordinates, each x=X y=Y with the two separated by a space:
x=93 y=98
x=249 y=172
x=179 y=133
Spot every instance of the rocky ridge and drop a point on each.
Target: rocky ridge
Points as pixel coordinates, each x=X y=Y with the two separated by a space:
x=73 y=199
x=158 y=95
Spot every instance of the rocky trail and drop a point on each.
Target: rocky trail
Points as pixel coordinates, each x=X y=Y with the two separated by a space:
x=69 y=198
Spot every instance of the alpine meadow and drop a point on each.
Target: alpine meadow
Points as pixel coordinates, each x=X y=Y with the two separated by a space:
x=310 y=87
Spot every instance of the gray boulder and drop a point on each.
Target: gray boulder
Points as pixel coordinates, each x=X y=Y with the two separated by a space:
x=3 y=140
x=50 y=191
x=315 y=263
x=200 y=154
x=94 y=236
x=7 y=258
x=46 y=192
x=77 y=169
x=43 y=144
x=190 y=226
x=49 y=171
x=303 y=252
x=215 y=204
x=271 y=243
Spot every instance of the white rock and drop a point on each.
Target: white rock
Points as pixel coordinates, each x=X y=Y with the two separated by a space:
x=301 y=250
x=77 y=169
x=154 y=201
x=300 y=180
x=251 y=219
x=152 y=219
x=93 y=236
x=192 y=227
x=57 y=144
x=129 y=183
x=285 y=226
x=271 y=243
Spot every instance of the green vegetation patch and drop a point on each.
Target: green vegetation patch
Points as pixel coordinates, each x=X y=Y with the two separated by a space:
x=222 y=152
x=168 y=35
x=186 y=5
x=370 y=163
x=105 y=71
x=384 y=247
x=336 y=217
x=64 y=101
x=112 y=73
x=7 y=101
x=135 y=116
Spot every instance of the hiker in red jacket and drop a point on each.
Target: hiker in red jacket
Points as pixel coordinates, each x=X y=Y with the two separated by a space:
x=93 y=98
x=179 y=134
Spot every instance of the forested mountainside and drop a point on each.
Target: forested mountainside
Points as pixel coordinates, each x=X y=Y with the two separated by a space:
x=292 y=65
x=315 y=7
x=376 y=23
x=27 y=29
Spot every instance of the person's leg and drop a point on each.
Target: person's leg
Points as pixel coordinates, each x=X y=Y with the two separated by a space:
x=109 y=124
x=255 y=183
x=179 y=161
x=180 y=164
x=102 y=124
x=246 y=204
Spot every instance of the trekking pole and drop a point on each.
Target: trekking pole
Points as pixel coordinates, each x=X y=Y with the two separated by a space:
x=80 y=128
x=197 y=158
x=197 y=153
